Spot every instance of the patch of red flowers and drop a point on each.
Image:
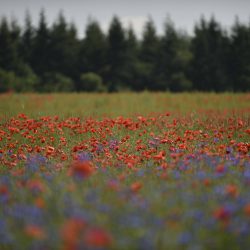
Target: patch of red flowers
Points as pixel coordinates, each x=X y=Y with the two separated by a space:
x=98 y=237
x=223 y=215
x=71 y=232
x=82 y=169
x=136 y=186
x=35 y=232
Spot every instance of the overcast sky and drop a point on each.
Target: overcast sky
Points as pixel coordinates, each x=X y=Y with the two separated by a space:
x=184 y=13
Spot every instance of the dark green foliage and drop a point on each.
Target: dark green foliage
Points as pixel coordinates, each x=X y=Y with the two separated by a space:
x=173 y=60
x=149 y=54
x=116 y=56
x=56 y=82
x=179 y=82
x=8 y=46
x=209 y=64
x=239 y=68
x=53 y=58
x=28 y=80
x=41 y=48
x=63 y=48
x=131 y=58
x=23 y=81
x=27 y=40
x=7 y=78
x=93 y=49
x=91 y=82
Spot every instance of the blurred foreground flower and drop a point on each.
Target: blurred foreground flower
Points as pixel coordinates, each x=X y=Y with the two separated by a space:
x=136 y=186
x=35 y=232
x=82 y=169
x=223 y=215
x=71 y=232
x=97 y=237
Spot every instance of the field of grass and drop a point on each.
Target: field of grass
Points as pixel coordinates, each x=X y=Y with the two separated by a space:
x=125 y=171
x=124 y=104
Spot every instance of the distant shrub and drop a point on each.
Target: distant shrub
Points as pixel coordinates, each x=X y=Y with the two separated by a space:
x=179 y=82
x=27 y=79
x=7 y=80
x=24 y=80
x=91 y=82
x=56 y=82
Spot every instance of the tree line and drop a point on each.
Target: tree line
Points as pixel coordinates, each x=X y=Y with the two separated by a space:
x=53 y=58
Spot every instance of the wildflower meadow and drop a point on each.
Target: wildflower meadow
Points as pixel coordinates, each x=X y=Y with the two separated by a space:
x=125 y=171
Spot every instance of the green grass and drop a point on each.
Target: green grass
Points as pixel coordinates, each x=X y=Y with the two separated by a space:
x=122 y=104
x=180 y=203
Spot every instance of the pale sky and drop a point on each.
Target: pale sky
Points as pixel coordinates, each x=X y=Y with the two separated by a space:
x=184 y=13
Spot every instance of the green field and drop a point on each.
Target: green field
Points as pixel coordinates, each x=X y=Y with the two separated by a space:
x=97 y=105
x=125 y=171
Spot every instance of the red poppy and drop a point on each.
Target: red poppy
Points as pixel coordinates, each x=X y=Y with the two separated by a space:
x=247 y=209
x=81 y=169
x=39 y=202
x=71 y=231
x=36 y=184
x=4 y=190
x=35 y=232
x=97 y=237
x=160 y=156
x=232 y=190
x=222 y=214
x=136 y=186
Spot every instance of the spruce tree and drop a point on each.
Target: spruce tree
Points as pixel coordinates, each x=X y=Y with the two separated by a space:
x=116 y=56
x=132 y=60
x=149 y=54
x=93 y=49
x=27 y=40
x=173 y=60
x=63 y=48
x=8 y=46
x=240 y=57
x=209 y=48
x=41 y=51
x=167 y=66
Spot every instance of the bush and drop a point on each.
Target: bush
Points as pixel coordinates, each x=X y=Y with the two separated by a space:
x=22 y=81
x=27 y=79
x=179 y=83
x=91 y=82
x=7 y=80
x=56 y=82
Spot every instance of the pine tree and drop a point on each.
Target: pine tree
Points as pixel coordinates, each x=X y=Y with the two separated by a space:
x=63 y=48
x=93 y=49
x=132 y=62
x=27 y=40
x=173 y=60
x=168 y=57
x=41 y=51
x=132 y=42
x=149 y=54
x=239 y=68
x=8 y=46
x=116 y=55
x=209 y=48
